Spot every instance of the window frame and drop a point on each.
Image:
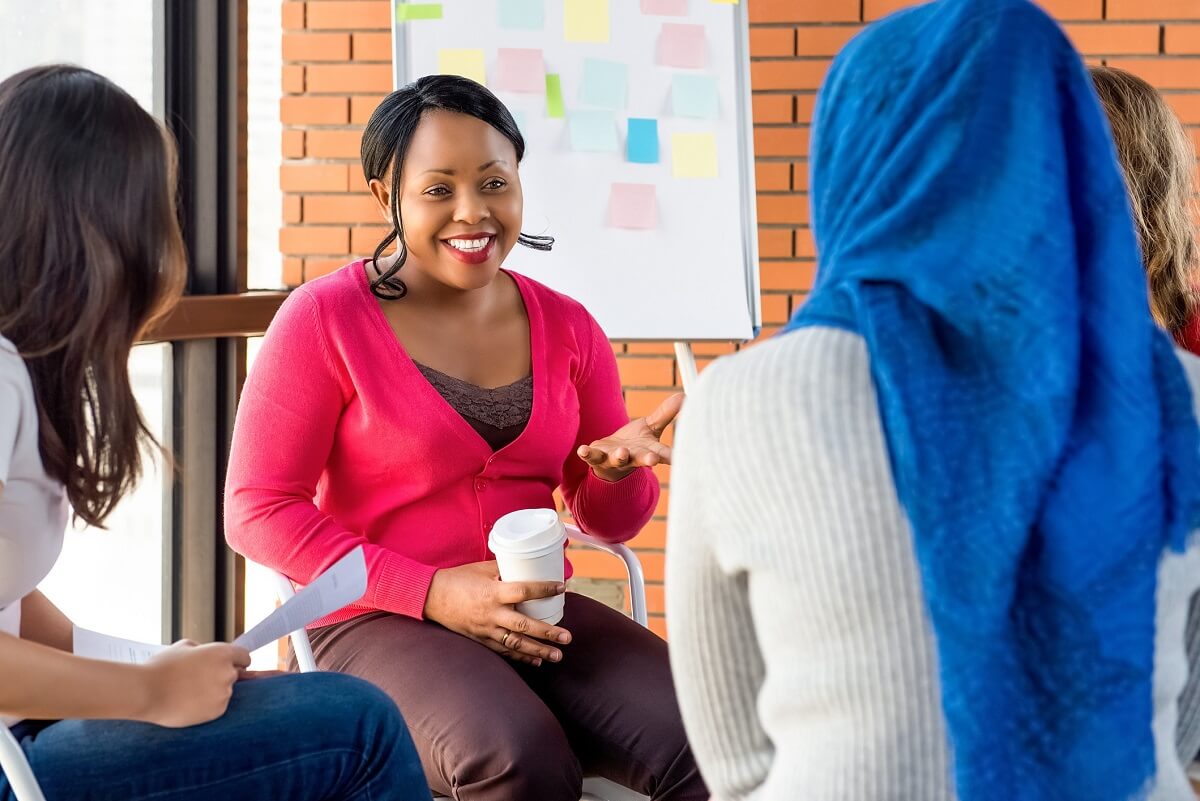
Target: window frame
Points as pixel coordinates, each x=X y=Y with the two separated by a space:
x=204 y=95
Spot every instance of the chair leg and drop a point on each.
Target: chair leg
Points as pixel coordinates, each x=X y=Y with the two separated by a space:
x=597 y=789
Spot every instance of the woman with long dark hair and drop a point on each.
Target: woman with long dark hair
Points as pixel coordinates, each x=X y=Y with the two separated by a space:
x=438 y=393
x=90 y=256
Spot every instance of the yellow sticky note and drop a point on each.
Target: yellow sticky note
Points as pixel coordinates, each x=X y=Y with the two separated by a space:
x=726 y=2
x=694 y=155
x=467 y=63
x=585 y=20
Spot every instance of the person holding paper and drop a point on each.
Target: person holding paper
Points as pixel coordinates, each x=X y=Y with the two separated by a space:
x=90 y=255
x=936 y=541
x=440 y=392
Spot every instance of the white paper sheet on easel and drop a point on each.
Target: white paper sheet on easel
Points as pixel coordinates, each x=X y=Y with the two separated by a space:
x=342 y=584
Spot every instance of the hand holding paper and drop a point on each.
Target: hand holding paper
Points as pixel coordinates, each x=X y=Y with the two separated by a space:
x=188 y=684
x=342 y=584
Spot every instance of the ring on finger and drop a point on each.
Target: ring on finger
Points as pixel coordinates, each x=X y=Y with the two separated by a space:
x=504 y=639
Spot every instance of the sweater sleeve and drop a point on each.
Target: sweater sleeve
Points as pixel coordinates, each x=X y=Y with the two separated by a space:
x=804 y=662
x=715 y=656
x=611 y=510
x=286 y=422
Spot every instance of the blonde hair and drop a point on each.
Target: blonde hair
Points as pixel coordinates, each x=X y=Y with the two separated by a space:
x=1158 y=161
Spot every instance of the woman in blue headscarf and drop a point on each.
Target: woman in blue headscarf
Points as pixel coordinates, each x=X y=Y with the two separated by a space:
x=936 y=541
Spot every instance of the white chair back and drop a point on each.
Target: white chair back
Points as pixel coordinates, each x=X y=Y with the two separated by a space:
x=16 y=768
x=299 y=638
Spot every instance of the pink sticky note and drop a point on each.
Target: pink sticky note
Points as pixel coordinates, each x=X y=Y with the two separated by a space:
x=520 y=70
x=682 y=45
x=665 y=8
x=633 y=206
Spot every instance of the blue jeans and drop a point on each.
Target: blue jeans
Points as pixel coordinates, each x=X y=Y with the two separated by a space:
x=318 y=736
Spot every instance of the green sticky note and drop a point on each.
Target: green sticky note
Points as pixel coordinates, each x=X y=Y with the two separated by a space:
x=585 y=20
x=467 y=63
x=554 y=98
x=694 y=155
x=406 y=12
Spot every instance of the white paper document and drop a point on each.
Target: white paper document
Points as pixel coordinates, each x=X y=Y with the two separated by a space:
x=95 y=645
x=343 y=583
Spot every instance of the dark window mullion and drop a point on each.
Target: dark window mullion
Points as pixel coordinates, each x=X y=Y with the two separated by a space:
x=205 y=108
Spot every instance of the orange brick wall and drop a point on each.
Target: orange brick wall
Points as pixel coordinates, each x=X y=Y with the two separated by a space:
x=337 y=67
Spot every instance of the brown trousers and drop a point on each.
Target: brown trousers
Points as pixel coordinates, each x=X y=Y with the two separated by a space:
x=489 y=729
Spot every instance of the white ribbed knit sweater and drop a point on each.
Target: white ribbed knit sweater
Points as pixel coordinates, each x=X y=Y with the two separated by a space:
x=803 y=656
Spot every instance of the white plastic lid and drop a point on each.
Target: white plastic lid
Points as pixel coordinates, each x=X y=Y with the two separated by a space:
x=526 y=530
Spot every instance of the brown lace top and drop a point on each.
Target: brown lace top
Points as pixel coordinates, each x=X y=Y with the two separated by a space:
x=499 y=415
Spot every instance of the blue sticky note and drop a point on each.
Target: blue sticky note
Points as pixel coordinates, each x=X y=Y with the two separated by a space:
x=642 y=141
x=526 y=15
x=694 y=96
x=593 y=131
x=604 y=83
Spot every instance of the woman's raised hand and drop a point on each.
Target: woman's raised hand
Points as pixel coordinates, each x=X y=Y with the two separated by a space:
x=633 y=445
x=471 y=600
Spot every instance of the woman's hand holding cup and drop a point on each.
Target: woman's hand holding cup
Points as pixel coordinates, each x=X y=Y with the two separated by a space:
x=471 y=600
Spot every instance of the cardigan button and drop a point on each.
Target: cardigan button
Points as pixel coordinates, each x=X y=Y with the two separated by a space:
x=481 y=484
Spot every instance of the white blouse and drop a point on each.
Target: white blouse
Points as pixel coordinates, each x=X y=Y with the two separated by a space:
x=33 y=506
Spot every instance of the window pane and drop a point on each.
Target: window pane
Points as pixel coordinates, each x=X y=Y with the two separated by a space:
x=111 y=580
x=115 y=39
x=108 y=580
x=263 y=196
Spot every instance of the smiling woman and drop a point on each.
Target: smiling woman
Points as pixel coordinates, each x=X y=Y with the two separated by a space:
x=443 y=121
x=441 y=393
x=470 y=214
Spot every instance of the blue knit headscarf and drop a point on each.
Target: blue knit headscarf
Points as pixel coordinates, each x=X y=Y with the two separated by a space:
x=972 y=226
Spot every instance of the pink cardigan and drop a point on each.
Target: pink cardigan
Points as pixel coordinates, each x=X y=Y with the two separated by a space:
x=340 y=441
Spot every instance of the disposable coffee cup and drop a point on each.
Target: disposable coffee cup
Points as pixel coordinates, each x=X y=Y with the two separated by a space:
x=528 y=545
